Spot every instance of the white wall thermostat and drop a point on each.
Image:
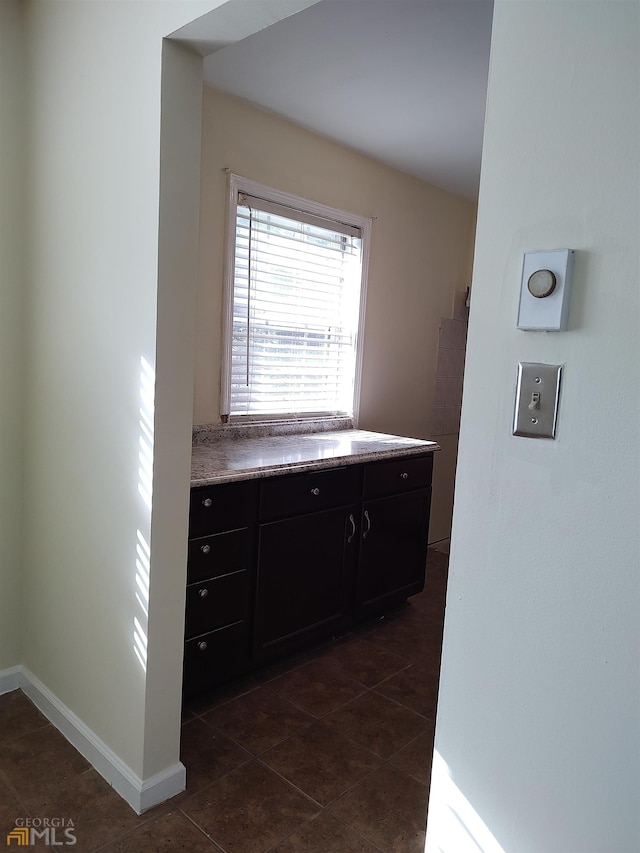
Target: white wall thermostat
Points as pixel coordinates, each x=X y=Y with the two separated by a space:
x=545 y=290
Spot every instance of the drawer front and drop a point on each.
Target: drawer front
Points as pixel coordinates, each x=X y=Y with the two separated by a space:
x=215 y=657
x=212 y=556
x=302 y=493
x=397 y=475
x=224 y=507
x=216 y=602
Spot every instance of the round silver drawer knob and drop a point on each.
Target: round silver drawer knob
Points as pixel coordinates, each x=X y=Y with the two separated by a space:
x=315 y=491
x=202 y=646
x=207 y=502
x=203 y=593
x=404 y=475
x=205 y=548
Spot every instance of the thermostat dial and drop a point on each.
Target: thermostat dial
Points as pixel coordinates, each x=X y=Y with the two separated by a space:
x=541 y=283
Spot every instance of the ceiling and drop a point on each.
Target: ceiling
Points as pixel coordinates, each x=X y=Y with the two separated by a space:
x=403 y=81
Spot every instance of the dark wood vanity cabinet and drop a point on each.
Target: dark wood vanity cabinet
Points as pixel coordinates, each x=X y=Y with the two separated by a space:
x=279 y=563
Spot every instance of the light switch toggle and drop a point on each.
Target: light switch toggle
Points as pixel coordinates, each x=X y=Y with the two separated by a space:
x=535 y=401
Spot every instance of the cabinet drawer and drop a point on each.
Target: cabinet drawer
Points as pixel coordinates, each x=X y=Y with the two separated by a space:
x=301 y=493
x=214 y=657
x=212 y=556
x=216 y=602
x=397 y=475
x=224 y=507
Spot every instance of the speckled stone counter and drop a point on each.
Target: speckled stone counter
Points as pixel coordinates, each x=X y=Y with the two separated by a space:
x=226 y=459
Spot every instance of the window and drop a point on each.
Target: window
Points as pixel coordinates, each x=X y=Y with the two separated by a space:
x=294 y=306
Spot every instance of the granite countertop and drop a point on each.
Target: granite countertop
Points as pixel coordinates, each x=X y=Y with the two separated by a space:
x=227 y=459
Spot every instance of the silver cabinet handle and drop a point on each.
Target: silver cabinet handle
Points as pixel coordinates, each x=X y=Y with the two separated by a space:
x=207 y=502
x=404 y=475
x=315 y=491
x=202 y=646
x=353 y=529
x=205 y=548
x=368 y=520
x=203 y=593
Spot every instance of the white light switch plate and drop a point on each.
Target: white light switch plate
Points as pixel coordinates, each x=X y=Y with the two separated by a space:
x=548 y=313
x=537 y=395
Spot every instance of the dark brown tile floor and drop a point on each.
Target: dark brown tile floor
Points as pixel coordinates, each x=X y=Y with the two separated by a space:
x=326 y=753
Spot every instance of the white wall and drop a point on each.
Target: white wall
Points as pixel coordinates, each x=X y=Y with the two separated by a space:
x=420 y=256
x=11 y=355
x=540 y=687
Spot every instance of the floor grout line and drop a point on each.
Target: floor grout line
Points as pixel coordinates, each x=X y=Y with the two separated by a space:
x=201 y=829
x=291 y=784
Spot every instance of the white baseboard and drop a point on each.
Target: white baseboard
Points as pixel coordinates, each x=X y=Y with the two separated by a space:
x=140 y=794
x=10 y=679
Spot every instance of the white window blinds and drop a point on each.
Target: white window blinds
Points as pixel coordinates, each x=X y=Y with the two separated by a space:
x=296 y=302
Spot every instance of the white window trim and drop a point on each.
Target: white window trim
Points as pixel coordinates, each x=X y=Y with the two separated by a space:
x=239 y=184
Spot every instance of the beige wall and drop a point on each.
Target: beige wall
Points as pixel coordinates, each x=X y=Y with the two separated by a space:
x=11 y=353
x=98 y=292
x=420 y=252
x=109 y=281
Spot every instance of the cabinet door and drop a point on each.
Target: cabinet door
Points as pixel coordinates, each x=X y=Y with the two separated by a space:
x=305 y=574
x=393 y=550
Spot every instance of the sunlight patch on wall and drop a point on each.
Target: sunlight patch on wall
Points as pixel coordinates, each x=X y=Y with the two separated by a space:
x=142 y=573
x=145 y=490
x=145 y=454
x=142 y=597
x=454 y=826
x=140 y=643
